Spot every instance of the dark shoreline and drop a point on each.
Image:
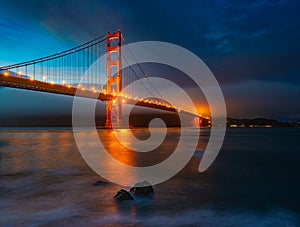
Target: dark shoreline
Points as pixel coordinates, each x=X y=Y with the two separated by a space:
x=260 y=123
x=142 y=121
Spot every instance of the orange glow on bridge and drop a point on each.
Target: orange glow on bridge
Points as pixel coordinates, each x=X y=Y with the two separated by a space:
x=54 y=74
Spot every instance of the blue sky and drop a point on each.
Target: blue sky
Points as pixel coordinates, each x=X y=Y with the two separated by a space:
x=252 y=47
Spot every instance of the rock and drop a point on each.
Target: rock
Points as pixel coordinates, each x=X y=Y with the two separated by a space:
x=100 y=182
x=142 y=189
x=123 y=195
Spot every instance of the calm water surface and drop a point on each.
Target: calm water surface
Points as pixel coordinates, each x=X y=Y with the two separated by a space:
x=253 y=182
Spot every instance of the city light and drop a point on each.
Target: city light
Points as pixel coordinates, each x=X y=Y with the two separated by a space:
x=63 y=82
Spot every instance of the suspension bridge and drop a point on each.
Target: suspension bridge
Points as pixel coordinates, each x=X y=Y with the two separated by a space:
x=77 y=71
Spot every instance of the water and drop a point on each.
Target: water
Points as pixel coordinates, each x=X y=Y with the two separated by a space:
x=253 y=182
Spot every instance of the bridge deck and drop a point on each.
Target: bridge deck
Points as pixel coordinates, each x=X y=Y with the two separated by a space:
x=34 y=85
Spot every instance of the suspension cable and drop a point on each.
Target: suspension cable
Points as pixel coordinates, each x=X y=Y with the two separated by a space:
x=57 y=55
x=145 y=75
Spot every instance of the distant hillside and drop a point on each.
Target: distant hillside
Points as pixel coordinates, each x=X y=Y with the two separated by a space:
x=137 y=120
x=258 y=123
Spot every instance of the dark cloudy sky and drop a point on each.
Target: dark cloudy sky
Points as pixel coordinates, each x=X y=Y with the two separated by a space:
x=252 y=47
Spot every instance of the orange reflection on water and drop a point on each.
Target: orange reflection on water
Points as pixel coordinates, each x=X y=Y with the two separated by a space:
x=41 y=150
x=116 y=149
x=135 y=158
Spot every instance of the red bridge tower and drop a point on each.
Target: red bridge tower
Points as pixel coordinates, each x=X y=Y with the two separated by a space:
x=114 y=78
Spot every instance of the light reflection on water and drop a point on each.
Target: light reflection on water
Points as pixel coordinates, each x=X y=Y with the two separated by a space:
x=44 y=171
x=44 y=180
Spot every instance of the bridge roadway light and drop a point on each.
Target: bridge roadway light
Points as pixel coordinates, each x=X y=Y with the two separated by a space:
x=63 y=82
x=31 y=78
x=19 y=73
x=69 y=86
x=6 y=74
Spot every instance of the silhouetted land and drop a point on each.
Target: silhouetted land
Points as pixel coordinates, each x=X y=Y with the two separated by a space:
x=137 y=120
x=259 y=123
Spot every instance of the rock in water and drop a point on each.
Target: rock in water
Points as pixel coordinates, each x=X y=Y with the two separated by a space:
x=123 y=195
x=142 y=189
x=100 y=182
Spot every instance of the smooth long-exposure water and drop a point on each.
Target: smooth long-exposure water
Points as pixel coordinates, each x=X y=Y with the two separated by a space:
x=254 y=181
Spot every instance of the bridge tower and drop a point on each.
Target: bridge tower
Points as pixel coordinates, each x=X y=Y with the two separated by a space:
x=114 y=78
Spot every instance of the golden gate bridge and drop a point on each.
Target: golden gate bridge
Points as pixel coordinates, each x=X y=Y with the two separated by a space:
x=75 y=72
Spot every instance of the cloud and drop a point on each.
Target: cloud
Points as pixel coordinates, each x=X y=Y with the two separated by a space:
x=282 y=68
x=11 y=31
x=240 y=41
x=265 y=99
